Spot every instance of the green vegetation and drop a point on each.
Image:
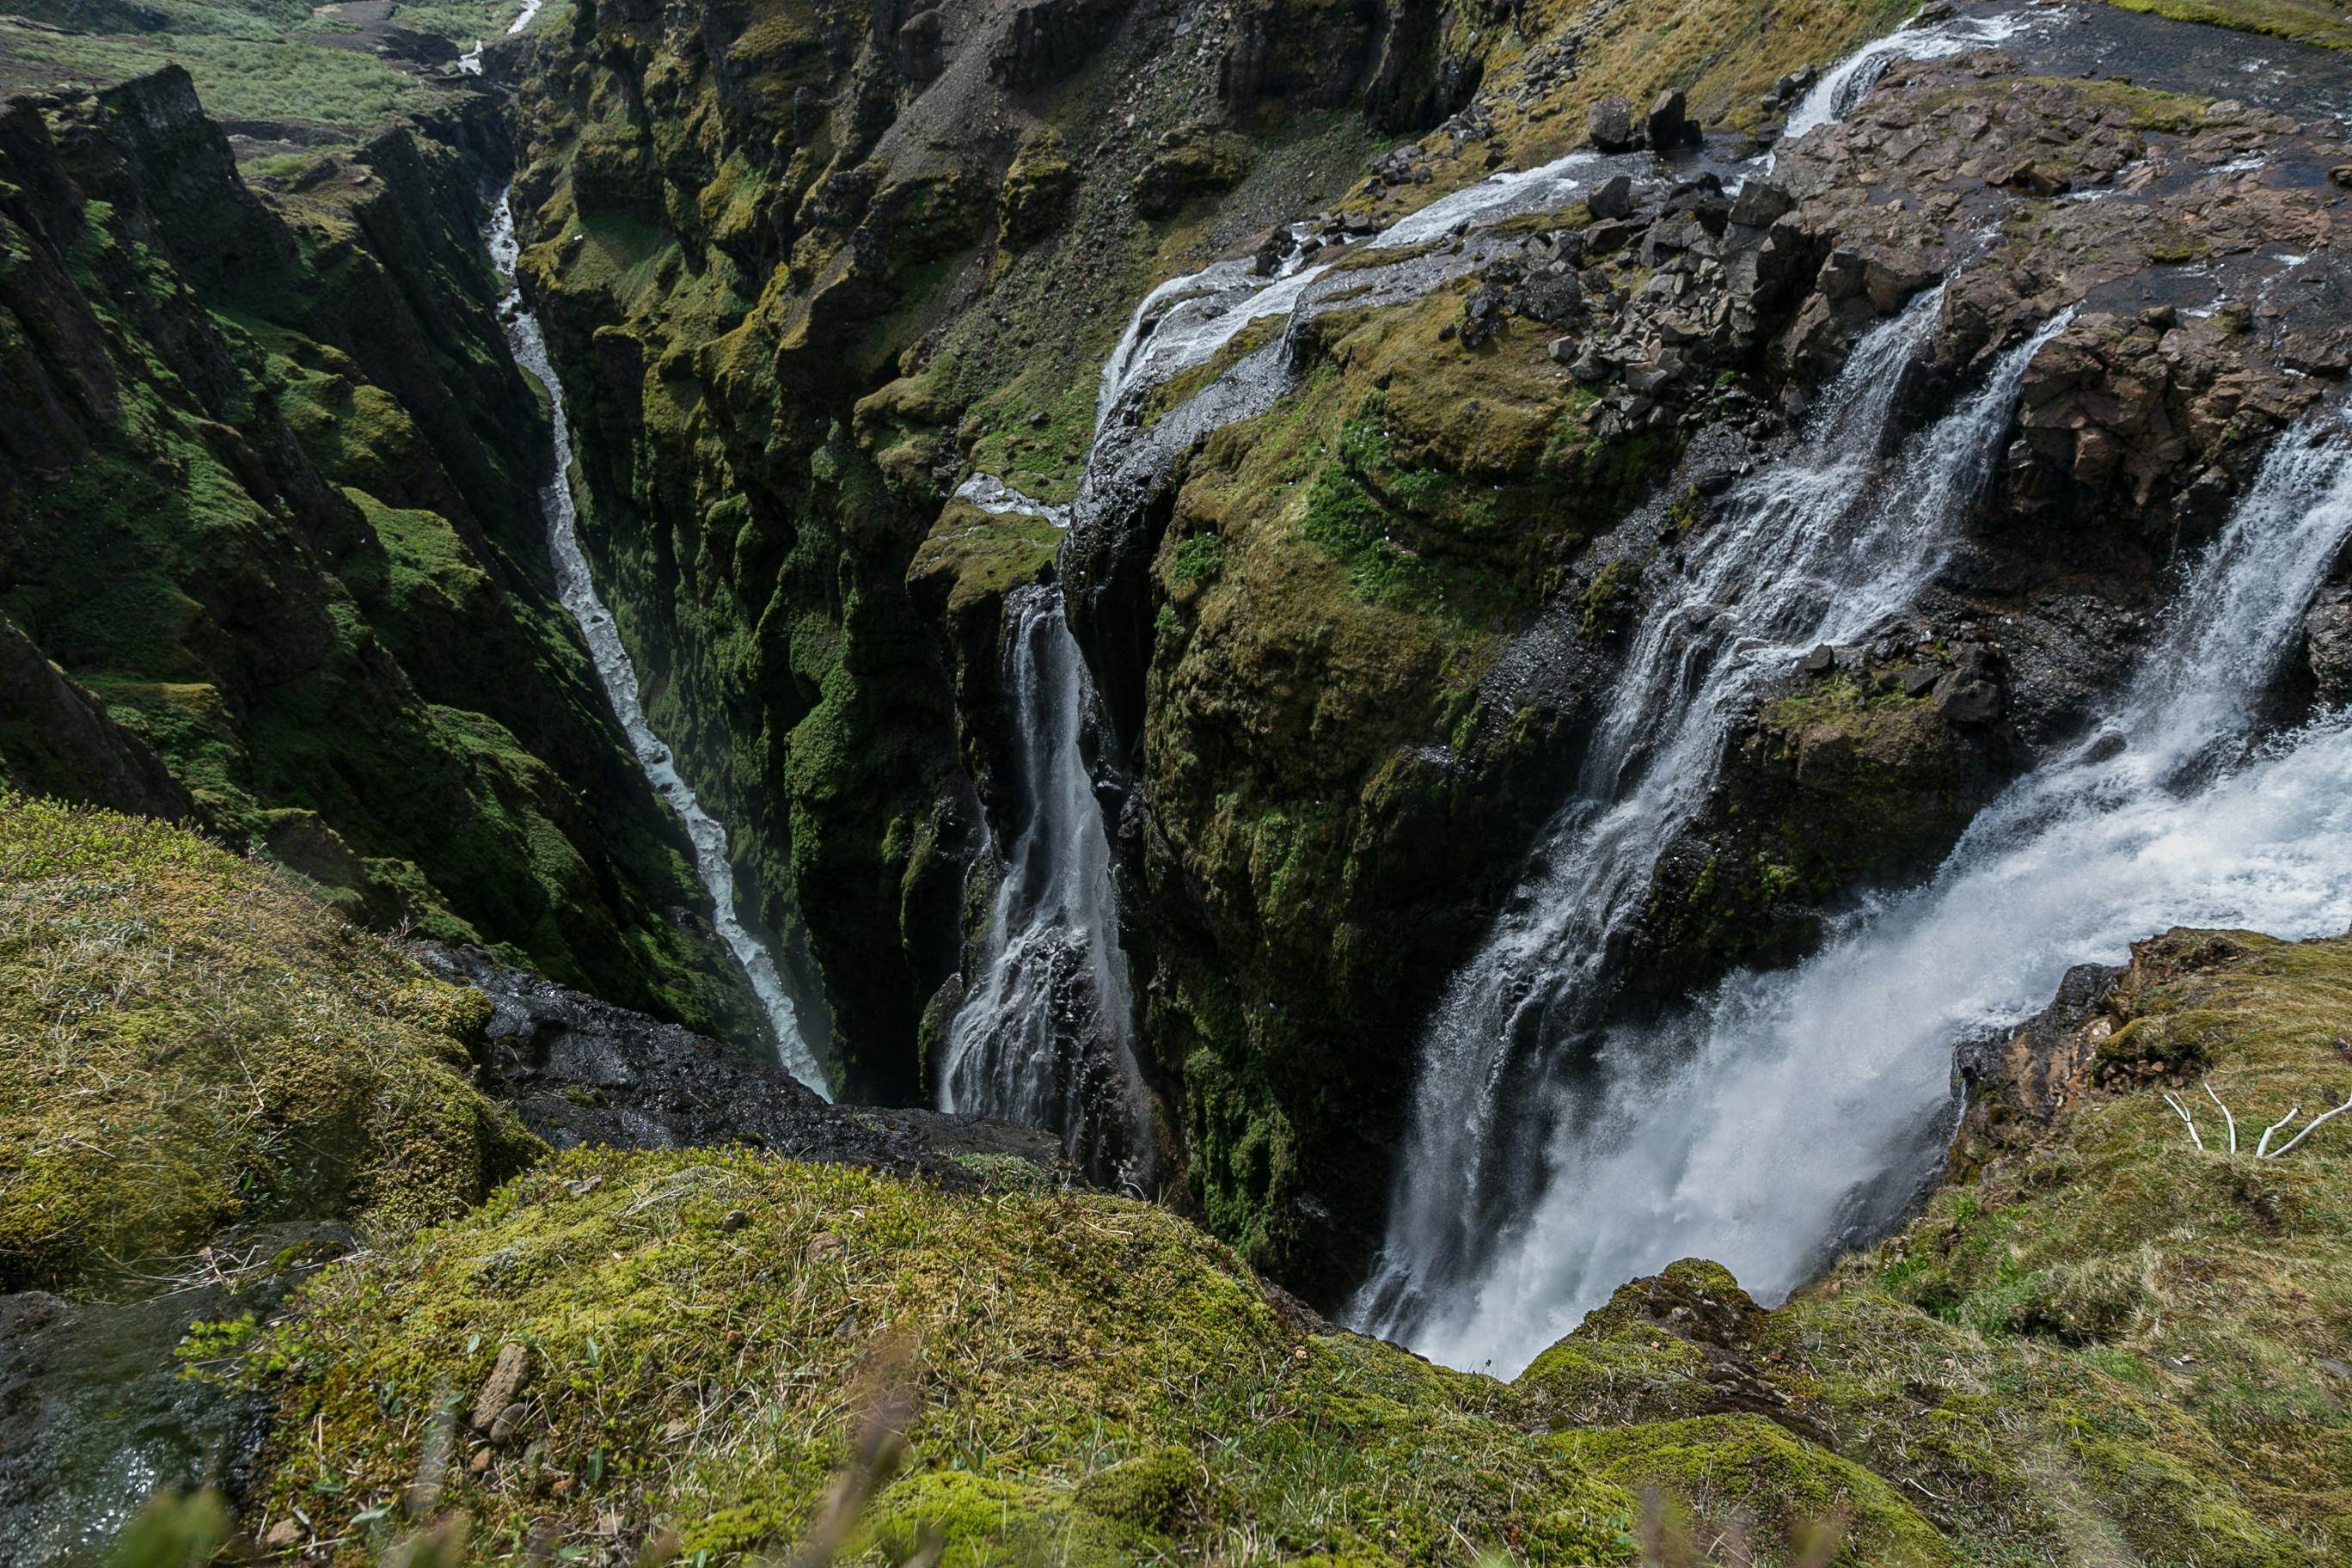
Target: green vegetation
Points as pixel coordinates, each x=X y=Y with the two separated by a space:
x=2216 y=1282
x=317 y=602
x=252 y=60
x=239 y=77
x=190 y=1042
x=2322 y=22
x=2107 y=1342
x=693 y=1371
x=2125 y=1352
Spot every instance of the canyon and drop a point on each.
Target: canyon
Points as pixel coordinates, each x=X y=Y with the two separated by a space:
x=1038 y=733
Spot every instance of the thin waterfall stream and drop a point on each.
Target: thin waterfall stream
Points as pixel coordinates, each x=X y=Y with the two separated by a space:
x=619 y=677
x=1046 y=1037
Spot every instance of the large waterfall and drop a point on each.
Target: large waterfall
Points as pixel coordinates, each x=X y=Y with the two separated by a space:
x=619 y=676
x=1794 y=1110
x=1822 y=547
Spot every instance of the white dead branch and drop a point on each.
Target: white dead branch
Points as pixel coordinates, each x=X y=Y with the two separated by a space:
x=2262 y=1150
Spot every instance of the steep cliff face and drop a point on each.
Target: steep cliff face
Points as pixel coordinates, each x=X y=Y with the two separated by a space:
x=804 y=267
x=811 y=266
x=272 y=478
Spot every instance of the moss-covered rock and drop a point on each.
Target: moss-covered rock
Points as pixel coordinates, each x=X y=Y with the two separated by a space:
x=192 y=1042
x=1079 y=1376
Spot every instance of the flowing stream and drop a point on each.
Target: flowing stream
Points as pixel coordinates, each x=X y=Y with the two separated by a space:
x=578 y=592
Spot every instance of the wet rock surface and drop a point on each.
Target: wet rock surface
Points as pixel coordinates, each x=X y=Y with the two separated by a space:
x=99 y=1409
x=579 y=1071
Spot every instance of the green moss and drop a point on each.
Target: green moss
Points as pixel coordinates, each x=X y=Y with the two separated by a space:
x=195 y=1043
x=1195 y=562
x=718 y=1369
x=2321 y=22
x=1607 y=600
x=1737 y=1467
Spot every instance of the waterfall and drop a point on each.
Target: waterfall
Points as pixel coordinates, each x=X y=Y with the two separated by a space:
x=1055 y=1068
x=1823 y=546
x=1047 y=1038
x=619 y=677
x=1796 y=1110
x=1851 y=80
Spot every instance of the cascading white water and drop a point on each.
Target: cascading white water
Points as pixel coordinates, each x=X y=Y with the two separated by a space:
x=619 y=676
x=1180 y=325
x=1796 y=1109
x=1834 y=96
x=1046 y=1037
x=470 y=62
x=1822 y=547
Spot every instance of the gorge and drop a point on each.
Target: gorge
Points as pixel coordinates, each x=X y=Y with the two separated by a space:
x=1175 y=779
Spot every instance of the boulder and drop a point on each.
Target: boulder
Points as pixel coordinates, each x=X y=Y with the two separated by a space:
x=1610 y=122
x=1761 y=203
x=1668 y=120
x=1613 y=197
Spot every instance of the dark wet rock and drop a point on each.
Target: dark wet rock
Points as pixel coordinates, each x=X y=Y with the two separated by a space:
x=1045 y=40
x=2327 y=647
x=580 y=1071
x=2022 y=1078
x=1906 y=734
x=1667 y=120
x=1761 y=203
x=1969 y=702
x=96 y=1412
x=1612 y=199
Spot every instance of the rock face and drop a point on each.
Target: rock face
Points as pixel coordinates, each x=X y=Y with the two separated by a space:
x=59 y=740
x=271 y=482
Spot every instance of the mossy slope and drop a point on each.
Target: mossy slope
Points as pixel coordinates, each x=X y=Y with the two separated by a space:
x=189 y=1041
x=1092 y=1379
x=2108 y=1347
